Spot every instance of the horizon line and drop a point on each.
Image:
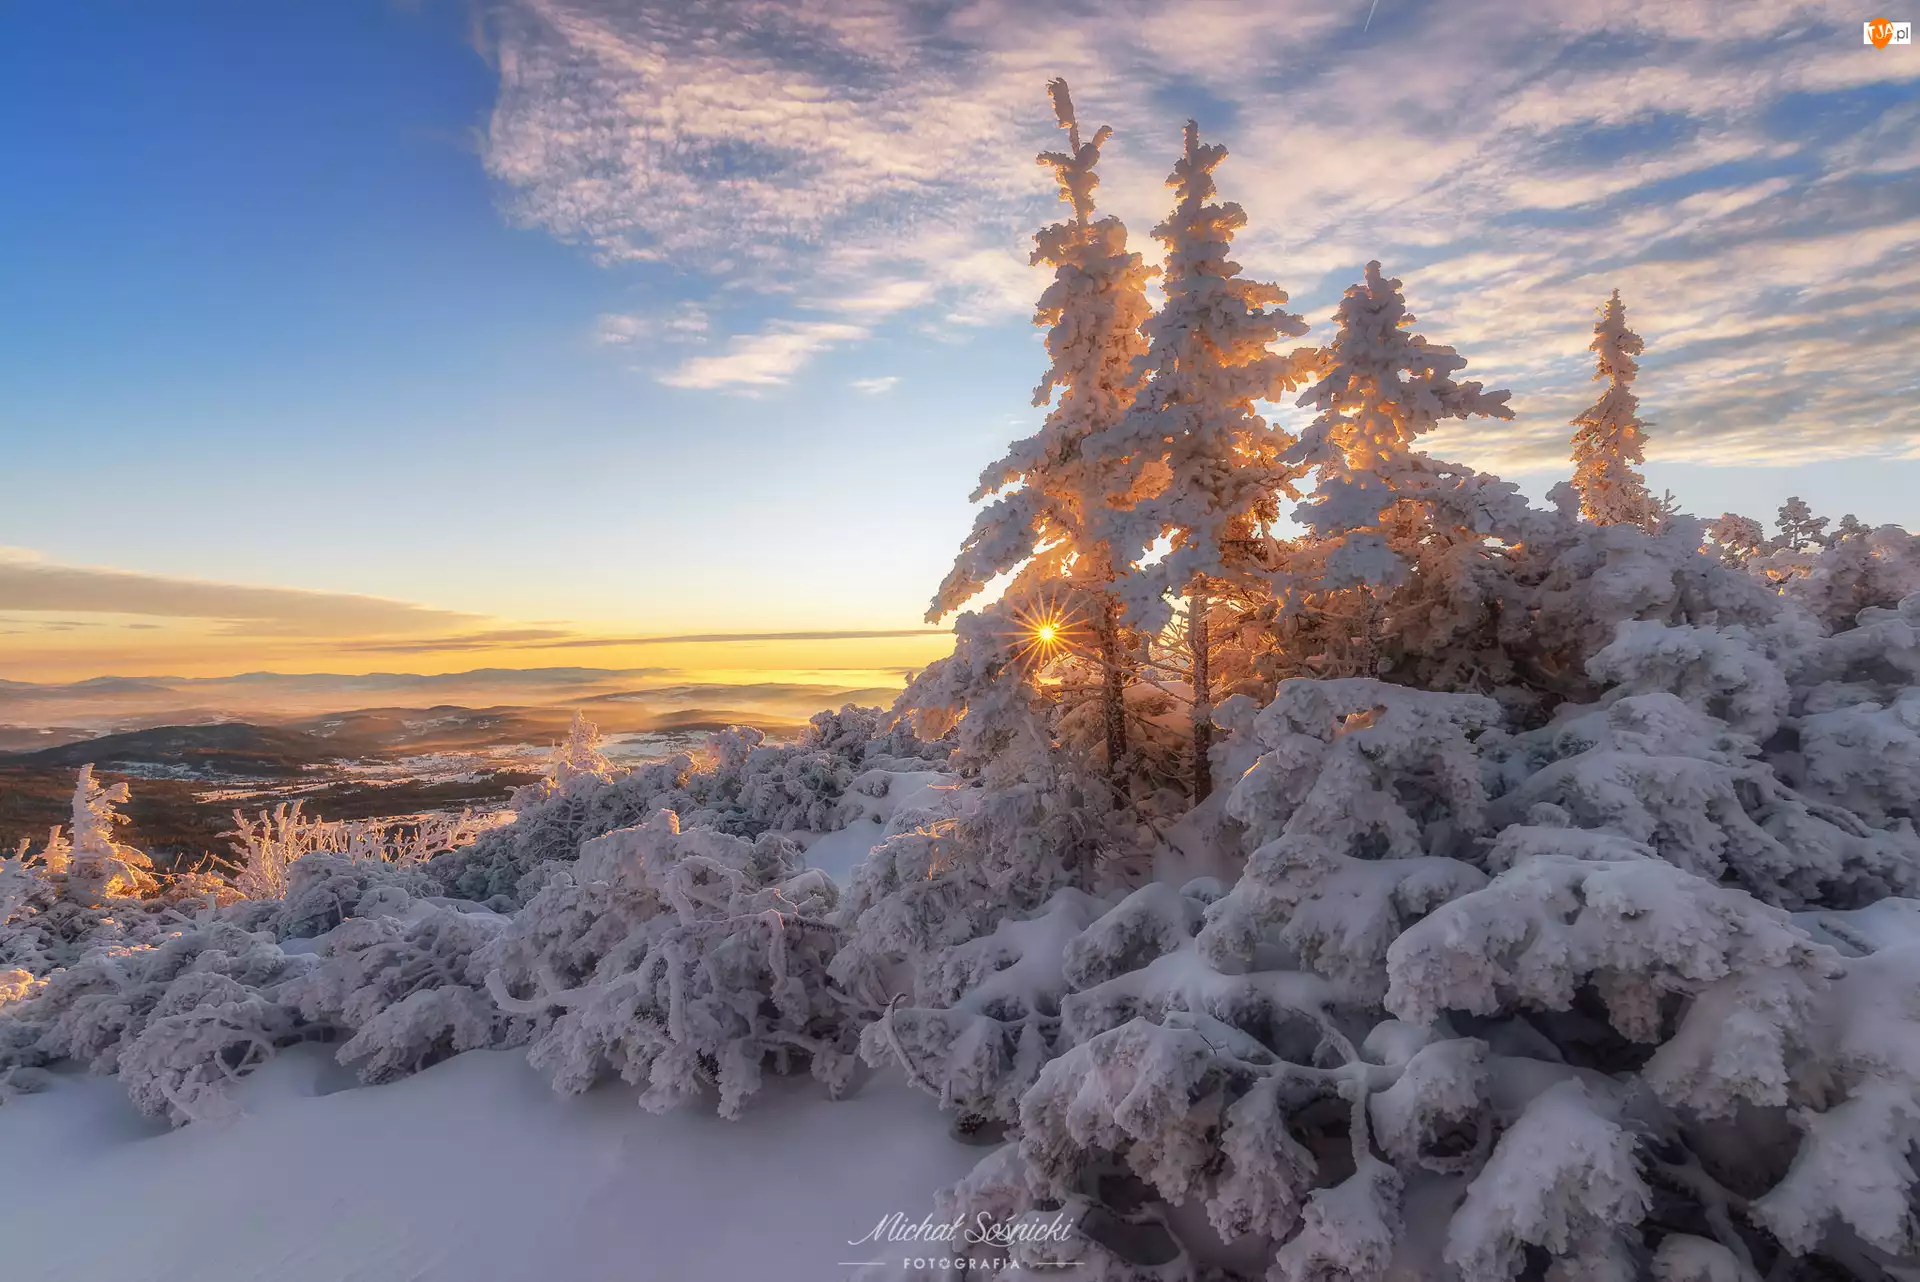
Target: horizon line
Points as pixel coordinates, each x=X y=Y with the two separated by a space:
x=689 y=639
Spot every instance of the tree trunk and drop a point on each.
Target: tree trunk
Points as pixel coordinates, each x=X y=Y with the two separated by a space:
x=1369 y=652
x=1113 y=698
x=1202 y=700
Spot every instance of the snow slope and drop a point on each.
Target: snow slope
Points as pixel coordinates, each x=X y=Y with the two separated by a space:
x=839 y=852
x=472 y=1171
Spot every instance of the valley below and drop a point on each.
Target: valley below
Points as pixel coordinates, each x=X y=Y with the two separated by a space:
x=194 y=751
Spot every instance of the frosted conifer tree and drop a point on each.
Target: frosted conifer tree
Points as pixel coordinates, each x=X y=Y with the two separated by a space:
x=99 y=866
x=579 y=757
x=1799 y=527
x=1381 y=509
x=1736 y=538
x=1048 y=484
x=1202 y=467
x=1608 y=440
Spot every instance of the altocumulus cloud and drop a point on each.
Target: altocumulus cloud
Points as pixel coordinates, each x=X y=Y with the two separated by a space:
x=1744 y=173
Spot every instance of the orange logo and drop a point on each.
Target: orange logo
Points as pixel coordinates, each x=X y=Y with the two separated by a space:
x=1880 y=32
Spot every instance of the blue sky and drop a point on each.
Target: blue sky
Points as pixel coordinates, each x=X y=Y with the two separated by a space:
x=561 y=318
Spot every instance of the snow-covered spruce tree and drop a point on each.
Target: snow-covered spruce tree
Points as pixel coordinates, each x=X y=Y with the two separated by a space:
x=1735 y=538
x=1050 y=486
x=1201 y=468
x=1396 y=573
x=98 y=867
x=681 y=959
x=579 y=757
x=1608 y=439
x=1800 y=529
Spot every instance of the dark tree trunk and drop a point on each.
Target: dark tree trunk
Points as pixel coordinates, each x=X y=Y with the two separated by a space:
x=1113 y=698
x=1202 y=696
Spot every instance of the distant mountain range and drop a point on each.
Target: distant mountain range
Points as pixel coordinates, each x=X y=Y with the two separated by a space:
x=39 y=715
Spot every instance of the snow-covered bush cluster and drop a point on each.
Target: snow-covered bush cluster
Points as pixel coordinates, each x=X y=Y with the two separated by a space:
x=267 y=846
x=1344 y=869
x=678 y=959
x=590 y=927
x=740 y=784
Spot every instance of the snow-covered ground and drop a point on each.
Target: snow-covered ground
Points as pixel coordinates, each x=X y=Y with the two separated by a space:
x=472 y=1171
x=839 y=852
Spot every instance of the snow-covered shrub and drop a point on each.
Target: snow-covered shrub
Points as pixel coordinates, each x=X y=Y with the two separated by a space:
x=267 y=846
x=1663 y=769
x=983 y=696
x=1364 y=797
x=987 y=1011
x=206 y=1032
x=83 y=890
x=682 y=959
x=550 y=825
x=757 y=787
x=177 y=1020
x=410 y=982
x=324 y=889
x=872 y=737
x=742 y=785
x=1477 y=1000
x=925 y=905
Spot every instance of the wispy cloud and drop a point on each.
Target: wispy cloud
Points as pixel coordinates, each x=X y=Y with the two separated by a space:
x=30 y=583
x=1745 y=174
x=686 y=323
x=874 y=386
x=766 y=359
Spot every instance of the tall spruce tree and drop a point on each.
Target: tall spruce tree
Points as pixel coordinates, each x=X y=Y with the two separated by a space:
x=1609 y=438
x=1202 y=469
x=1050 y=485
x=1380 y=508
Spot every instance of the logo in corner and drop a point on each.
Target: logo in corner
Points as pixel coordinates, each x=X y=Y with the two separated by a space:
x=1881 y=32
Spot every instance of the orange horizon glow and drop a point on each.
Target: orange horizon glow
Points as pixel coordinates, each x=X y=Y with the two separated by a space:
x=170 y=649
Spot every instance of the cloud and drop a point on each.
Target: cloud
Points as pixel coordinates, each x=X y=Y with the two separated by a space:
x=616 y=329
x=874 y=386
x=1745 y=174
x=563 y=641
x=766 y=359
x=30 y=582
x=686 y=323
